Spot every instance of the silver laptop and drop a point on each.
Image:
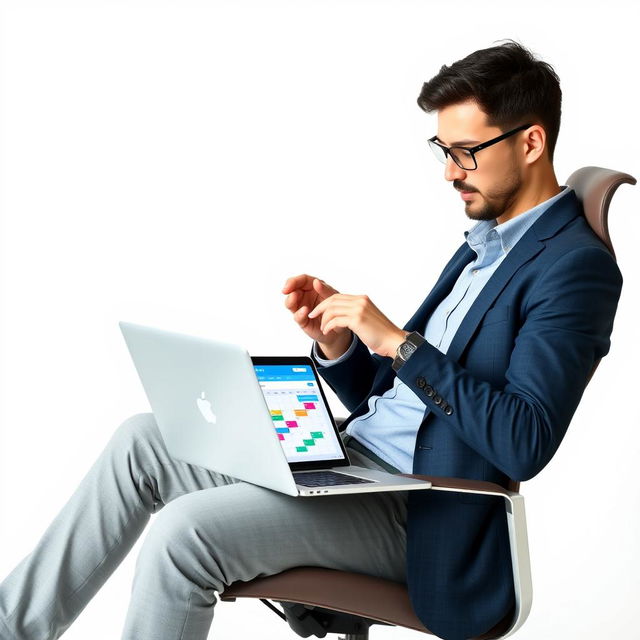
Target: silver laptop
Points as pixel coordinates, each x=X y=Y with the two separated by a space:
x=264 y=420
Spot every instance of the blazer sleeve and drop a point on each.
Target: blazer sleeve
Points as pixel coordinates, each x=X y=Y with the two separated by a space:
x=351 y=379
x=568 y=320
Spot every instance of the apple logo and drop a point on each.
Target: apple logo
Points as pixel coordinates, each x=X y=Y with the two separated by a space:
x=205 y=409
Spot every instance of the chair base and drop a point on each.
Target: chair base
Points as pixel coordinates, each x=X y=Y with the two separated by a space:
x=317 y=621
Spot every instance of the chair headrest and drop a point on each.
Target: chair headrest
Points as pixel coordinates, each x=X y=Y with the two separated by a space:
x=594 y=187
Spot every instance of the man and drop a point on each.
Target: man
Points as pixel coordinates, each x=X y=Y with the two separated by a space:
x=481 y=383
x=499 y=353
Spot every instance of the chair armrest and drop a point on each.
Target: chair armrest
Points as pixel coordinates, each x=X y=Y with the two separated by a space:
x=518 y=541
x=463 y=485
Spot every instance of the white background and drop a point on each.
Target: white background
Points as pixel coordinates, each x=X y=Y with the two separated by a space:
x=172 y=163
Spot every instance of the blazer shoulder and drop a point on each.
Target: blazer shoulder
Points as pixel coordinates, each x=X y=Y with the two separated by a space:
x=577 y=235
x=564 y=225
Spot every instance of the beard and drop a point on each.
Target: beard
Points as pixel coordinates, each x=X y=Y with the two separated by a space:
x=496 y=201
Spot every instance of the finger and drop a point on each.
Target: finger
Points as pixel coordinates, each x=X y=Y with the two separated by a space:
x=292 y=300
x=321 y=308
x=300 y=316
x=337 y=321
x=322 y=287
x=292 y=283
x=338 y=307
x=302 y=281
x=337 y=311
x=337 y=298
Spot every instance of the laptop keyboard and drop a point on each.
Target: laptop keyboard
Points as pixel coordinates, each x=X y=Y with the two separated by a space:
x=326 y=478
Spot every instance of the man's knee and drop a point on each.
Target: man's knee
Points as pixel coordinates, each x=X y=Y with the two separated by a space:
x=140 y=426
x=178 y=542
x=215 y=524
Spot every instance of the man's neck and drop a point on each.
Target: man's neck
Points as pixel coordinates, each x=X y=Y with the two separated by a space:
x=537 y=192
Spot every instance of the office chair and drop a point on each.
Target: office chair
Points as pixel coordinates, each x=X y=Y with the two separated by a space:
x=318 y=601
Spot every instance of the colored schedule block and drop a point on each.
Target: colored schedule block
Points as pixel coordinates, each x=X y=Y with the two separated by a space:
x=310 y=443
x=291 y=423
x=301 y=449
x=276 y=412
x=300 y=412
x=282 y=429
x=276 y=418
x=317 y=435
x=280 y=436
x=309 y=405
x=309 y=397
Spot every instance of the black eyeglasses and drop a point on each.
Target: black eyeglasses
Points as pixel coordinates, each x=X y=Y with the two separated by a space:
x=465 y=157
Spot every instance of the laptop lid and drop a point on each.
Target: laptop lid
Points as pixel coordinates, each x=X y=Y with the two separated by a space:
x=208 y=405
x=300 y=412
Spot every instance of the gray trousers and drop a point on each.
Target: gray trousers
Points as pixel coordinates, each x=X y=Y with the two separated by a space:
x=210 y=530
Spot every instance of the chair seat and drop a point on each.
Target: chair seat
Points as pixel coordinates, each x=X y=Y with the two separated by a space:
x=354 y=593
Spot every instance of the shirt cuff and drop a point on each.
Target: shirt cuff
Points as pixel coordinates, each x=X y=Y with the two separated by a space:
x=327 y=363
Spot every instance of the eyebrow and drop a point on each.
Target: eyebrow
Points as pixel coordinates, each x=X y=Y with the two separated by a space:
x=460 y=143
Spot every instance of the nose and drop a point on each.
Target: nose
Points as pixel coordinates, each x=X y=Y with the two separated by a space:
x=452 y=171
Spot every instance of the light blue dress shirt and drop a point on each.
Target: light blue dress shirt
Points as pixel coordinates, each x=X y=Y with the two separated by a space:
x=390 y=426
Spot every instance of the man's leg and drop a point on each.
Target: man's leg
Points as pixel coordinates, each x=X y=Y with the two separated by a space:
x=132 y=478
x=206 y=540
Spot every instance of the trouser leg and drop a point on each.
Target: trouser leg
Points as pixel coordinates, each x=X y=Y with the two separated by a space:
x=208 y=539
x=133 y=478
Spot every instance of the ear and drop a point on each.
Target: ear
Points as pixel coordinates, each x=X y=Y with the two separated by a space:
x=534 y=143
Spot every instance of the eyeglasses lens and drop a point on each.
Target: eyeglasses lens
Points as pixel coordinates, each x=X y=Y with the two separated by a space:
x=462 y=158
x=438 y=151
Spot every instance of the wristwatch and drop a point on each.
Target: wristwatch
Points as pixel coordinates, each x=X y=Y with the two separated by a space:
x=406 y=348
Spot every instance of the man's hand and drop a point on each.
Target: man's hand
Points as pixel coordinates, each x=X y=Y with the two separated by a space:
x=304 y=293
x=360 y=315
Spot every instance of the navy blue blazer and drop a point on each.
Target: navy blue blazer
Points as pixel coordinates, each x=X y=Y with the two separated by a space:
x=497 y=406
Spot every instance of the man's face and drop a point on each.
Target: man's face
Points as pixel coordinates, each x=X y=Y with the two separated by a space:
x=492 y=188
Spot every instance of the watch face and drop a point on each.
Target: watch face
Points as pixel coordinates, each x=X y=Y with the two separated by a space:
x=406 y=349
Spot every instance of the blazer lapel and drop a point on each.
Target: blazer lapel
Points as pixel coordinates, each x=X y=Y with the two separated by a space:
x=521 y=253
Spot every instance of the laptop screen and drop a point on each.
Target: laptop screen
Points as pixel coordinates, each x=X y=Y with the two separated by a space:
x=299 y=411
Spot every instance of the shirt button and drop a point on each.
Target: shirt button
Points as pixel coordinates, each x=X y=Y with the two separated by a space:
x=475 y=272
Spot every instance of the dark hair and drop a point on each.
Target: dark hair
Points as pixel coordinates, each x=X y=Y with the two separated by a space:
x=509 y=84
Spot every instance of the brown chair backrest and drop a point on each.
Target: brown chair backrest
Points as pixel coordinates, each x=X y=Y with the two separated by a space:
x=595 y=187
